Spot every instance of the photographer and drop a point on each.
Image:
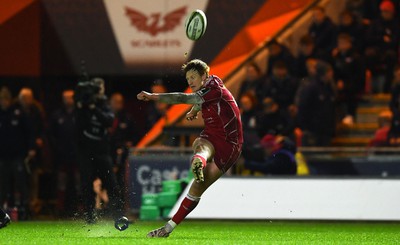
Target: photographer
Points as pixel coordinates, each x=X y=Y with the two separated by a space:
x=93 y=118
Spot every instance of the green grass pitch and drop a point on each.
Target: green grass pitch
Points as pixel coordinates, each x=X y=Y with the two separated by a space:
x=203 y=232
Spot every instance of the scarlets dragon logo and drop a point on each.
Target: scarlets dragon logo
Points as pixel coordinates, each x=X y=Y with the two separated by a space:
x=154 y=24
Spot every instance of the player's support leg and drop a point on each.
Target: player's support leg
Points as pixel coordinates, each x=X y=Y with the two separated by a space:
x=4 y=218
x=211 y=174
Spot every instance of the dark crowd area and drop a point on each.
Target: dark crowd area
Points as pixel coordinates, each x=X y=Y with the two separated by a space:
x=306 y=95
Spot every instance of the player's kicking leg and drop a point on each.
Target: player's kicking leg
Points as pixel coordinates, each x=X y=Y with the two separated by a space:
x=203 y=151
x=4 y=219
x=206 y=176
x=211 y=174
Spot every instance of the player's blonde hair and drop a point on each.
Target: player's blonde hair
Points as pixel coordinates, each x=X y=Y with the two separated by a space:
x=198 y=65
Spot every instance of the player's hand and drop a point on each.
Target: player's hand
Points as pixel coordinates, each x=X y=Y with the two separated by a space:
x=145 y=96
x=191 y=115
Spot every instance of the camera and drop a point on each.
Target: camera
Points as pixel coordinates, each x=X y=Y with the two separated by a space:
x=86 y=91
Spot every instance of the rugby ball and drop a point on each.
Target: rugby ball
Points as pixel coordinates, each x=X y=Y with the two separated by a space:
x=195 y=25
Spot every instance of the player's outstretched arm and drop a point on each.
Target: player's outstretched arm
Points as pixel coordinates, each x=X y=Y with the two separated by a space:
x=171 y=98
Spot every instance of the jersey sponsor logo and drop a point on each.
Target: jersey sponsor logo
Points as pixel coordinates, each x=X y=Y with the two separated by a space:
x=203 y=91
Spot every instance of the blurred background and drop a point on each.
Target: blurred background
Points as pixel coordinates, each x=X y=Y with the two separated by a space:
x=318 y=79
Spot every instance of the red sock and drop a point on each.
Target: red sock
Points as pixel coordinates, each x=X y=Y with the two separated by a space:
x=187 y=205
x=203 y=160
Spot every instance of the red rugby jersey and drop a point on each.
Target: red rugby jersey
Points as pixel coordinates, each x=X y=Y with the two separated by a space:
x=220 y=112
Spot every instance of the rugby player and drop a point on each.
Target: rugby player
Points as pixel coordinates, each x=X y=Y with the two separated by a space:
x=219 y=144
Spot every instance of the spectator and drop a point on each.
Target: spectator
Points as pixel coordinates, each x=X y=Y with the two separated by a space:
x=316 y=107
x=36 y=116
x=350 y=76
x=368 y=10
x=271 y=120
x=323 y=30
x=349 y=24
x=362 y=10
x=123 y=136
x=382 y=47
x=280 y=86
x=394 y=105
x=248 y=106
x=252 y=81
x=156 y=110
x=35 y=112
x=307 y=51
x=16 y=146
x=62 y=136
x=279 y=52
x=381 y=134
x=276 y=155
x=311 y=64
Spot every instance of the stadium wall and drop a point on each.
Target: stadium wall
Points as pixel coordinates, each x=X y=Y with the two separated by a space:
x=299 y=199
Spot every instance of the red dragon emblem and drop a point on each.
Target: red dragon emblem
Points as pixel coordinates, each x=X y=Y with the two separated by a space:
x=151 y=24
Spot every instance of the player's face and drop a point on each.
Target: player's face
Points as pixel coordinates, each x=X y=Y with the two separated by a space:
x=194 y=80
